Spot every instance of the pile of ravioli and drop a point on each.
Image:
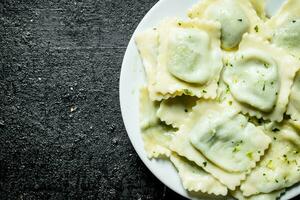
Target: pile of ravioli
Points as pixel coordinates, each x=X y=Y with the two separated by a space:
x=222 y=100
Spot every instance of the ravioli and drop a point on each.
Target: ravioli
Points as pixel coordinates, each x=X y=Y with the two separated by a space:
x=281 y=164
x=156 y=136
x=222 y=100
x=236 y=17
x=189 y=60
x=259 y=6
x=253 y=78
x=258 y=78
x=174 y=111
x=237 y=157
x=147 y=44
x=196 y=179
x=286 y=27
x=229 y=134
x=294 y=104
x=270 y=196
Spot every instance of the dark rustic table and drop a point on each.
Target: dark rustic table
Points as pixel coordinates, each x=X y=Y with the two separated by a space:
x=61 y=131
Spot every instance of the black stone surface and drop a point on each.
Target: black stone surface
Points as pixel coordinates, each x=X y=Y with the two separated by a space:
x=61 y=131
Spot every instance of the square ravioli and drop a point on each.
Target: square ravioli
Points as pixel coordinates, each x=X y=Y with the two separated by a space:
x=270 y=196
x=285 y=26
x=280 y=166
x=174 y=111
x=259 y=77
x=189 y=58
x=213 y=130
x=156 y=136
x=147 y=44
x=237 y=17
x=195 y=179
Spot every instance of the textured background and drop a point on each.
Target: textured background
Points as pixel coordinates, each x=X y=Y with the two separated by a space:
x=61 y=132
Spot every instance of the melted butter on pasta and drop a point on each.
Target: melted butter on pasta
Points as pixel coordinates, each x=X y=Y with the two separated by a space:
x=252 y=76
x=189 y=55
x=230 y=135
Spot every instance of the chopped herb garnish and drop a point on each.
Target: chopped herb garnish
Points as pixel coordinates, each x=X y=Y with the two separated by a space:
x=240 y=20
x=204 y=164
x=260 y=121
x=294 y=21
x=204 y=91
x=275 y=130
x=179 y=23
x=256 y=28
x=274 y=138
x=270 y=164
x=284 y=155
x=272 y=82
x=185 y=110
x=264 y=174
x=258 y=152
x=249 y=155
x=276 y=93
x=276 y=180
x=187 y=92
x=264 y=87
x=227 y=89
x=230 y=103
x=266 y=65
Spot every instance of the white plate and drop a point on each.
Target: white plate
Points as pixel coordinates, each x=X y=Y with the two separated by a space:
x=133 y=77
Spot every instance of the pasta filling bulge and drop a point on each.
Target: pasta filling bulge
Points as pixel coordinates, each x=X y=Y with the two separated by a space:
x=252 y=76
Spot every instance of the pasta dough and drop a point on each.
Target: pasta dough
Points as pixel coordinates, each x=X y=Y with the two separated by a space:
x=280 y=166
x=258 y=78
x=196 y=179
x=270 y=196
x=259 y=6
x=229 y=134
x=177 y=55
x=174 y=111
x=156 y=136
x=286 y=27
x=294 y=104
x=236 y=17
x=181 y=144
